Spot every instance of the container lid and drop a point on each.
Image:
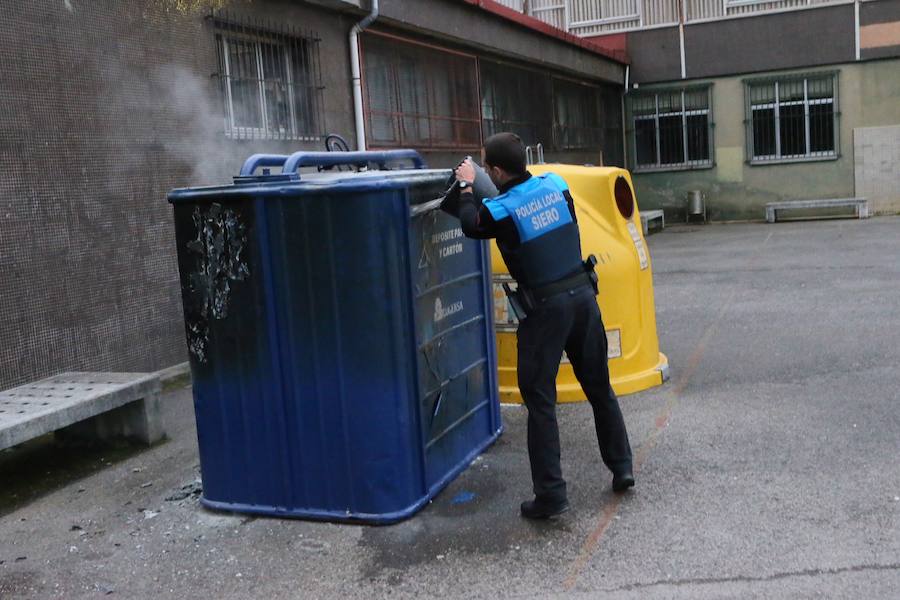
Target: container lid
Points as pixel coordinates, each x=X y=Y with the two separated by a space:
x=289 y=181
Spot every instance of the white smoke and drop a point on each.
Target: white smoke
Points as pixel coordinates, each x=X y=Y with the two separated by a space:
x=194 y=103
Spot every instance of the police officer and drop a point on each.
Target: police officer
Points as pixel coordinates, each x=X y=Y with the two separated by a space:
x=533 y=220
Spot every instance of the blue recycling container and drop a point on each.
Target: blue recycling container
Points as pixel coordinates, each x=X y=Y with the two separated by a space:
x=341 y=347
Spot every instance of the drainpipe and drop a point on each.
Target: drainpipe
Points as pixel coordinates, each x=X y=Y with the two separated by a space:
x=682 y=17
x=624 y=120
x=355 y=74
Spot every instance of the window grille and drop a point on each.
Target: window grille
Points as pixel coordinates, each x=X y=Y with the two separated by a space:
x=419 y=96
x=672 y=129
x=576 y=116
x=518 y=100
x=270 y=80
x=792 y=119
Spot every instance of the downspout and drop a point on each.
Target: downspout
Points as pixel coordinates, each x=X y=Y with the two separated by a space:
x=682 y=17
x=624 y=120
x=357 y=78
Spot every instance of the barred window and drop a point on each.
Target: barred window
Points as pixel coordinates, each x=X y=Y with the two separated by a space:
x=519 y=100
x=419 y=96
x=577 y=115
x=792 y=119
x=672 y=129
x=269 y=81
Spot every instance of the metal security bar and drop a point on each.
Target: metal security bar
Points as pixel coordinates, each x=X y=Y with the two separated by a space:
x=792 y=119
x=270 y=79
x=419 y=96
x=672 y=129
x=577 y=123
x=515 y=99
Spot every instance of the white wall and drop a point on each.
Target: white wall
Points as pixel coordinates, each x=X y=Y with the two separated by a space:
x=877 y=167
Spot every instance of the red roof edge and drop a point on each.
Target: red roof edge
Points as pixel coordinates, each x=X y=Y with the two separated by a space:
x=494 y=7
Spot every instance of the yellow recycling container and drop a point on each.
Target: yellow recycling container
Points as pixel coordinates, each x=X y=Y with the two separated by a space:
x=610 y=226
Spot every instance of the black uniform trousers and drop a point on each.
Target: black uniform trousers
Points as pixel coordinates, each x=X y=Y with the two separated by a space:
x=567 y=321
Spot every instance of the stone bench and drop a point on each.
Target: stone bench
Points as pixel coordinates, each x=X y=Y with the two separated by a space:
x=96 y=405
x=648 y=216
x=860 y=205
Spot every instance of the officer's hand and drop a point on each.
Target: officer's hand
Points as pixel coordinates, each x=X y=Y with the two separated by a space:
x=466 y=171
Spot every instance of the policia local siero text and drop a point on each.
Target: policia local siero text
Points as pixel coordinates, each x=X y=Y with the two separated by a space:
x=545 y=218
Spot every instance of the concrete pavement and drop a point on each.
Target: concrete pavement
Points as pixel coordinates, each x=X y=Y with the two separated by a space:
x=767 y=467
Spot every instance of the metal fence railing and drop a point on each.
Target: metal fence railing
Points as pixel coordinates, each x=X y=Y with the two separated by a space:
x=596 y=17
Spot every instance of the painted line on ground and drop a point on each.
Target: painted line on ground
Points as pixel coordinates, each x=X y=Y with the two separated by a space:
x=608 y=512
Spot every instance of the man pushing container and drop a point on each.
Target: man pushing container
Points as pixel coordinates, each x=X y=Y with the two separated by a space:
x=533 y=220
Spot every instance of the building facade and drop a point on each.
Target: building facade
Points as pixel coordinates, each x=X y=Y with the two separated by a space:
x=750 y=101
x=107 y=105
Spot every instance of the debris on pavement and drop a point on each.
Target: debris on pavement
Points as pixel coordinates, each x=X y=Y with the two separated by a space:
x=193 y=489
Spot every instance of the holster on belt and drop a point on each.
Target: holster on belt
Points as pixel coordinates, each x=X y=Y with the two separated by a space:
x=524 y=301
x=590 y=267
x=521 y=300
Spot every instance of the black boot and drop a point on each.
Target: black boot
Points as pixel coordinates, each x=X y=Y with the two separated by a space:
x=622 y=481
x=540 y=509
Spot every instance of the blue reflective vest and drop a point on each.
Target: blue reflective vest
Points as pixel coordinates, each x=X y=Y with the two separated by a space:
x=549 y=247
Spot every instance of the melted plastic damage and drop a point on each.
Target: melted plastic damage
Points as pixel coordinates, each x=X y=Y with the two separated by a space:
x=430 y=354
x=221 y=239
x=426 y=256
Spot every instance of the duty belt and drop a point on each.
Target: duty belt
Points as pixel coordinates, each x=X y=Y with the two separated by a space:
x=562 y=285
x=523 y=301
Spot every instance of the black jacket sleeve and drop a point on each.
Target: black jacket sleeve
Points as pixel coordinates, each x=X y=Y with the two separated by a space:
x=475 y=218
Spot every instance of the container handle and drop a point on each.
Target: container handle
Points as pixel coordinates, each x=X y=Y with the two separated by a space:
x=262 y=160
x=359 y=159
